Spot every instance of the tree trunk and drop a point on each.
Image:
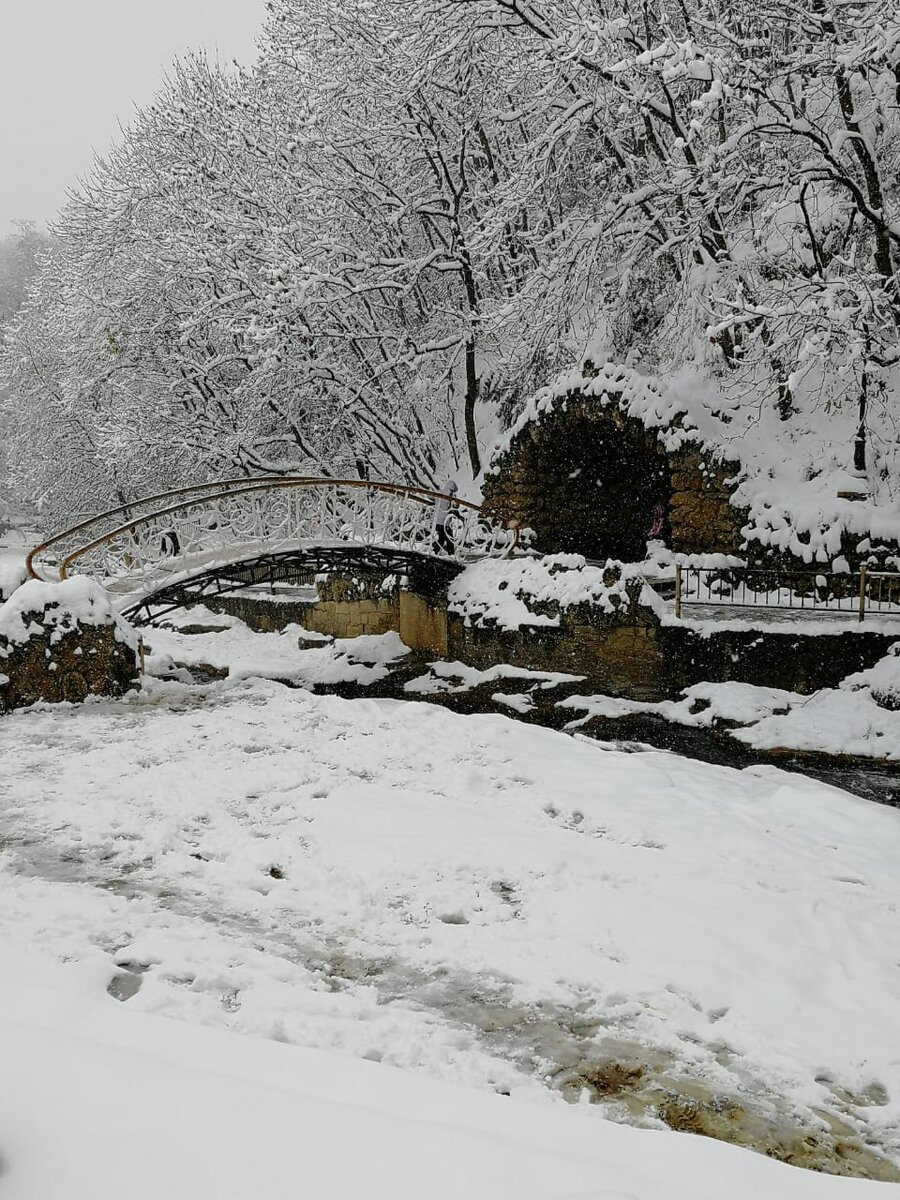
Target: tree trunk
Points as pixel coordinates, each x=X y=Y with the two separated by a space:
x=471 y=400
x=859 y=444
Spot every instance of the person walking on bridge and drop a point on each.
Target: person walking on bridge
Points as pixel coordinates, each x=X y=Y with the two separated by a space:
x=443 y=542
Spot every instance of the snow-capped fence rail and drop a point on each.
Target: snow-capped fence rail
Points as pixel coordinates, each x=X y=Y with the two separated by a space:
x=144 y=545
x=862 y=594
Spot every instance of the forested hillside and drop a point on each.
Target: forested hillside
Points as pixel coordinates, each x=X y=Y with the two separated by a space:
x=363 y=256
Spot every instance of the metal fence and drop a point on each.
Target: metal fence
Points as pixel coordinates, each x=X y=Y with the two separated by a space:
x=865 y=593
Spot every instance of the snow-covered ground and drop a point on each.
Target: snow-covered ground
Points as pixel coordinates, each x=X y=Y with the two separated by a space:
x=101 y=1103
x=489 y=907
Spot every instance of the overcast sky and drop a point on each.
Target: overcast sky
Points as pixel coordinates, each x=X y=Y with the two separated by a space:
x=71 y=70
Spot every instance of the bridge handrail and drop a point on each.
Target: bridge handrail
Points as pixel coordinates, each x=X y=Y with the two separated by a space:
x=216 y=487
x=194 y=490
x=227 y=489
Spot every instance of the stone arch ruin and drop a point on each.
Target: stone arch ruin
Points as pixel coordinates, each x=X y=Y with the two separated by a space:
x=589 y=479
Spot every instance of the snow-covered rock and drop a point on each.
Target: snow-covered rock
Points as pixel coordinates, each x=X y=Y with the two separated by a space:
x=882 y=680
x=511 y=593
x=63 y=641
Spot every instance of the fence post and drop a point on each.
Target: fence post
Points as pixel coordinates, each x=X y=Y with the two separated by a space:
x=678 y=590
x=862 y=592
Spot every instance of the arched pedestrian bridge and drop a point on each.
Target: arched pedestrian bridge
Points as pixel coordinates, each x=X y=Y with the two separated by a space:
x=161 y=552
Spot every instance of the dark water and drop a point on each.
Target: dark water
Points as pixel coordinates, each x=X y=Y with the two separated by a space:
x=869 y=781
x=881 y=784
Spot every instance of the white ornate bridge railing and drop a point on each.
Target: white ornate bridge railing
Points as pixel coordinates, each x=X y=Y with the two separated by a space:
x=142 y=546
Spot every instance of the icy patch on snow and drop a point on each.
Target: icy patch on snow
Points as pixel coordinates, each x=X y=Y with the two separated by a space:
x=190 y=1113
x=456 y=896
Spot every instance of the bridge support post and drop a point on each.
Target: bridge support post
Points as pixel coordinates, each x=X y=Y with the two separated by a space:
x=423 y=623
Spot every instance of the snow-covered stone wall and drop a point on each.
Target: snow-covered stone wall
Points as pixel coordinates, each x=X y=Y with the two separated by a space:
x=560 y=614
x=63 y=641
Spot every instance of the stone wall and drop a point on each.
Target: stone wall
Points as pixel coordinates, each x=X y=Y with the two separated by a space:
x=352 y=618
x=625 y=654
x=353 y=606
x=347 y=607
x=85 y=662
x=422 y=624
x=51 y=651
x=618 y=651
x=634 y=657
x=621 y=657
x=702 y=519
x=266 y=614
x=624 y=651
x=793 y=662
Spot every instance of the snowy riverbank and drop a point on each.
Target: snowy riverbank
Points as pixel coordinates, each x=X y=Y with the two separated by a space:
x=851 y=731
